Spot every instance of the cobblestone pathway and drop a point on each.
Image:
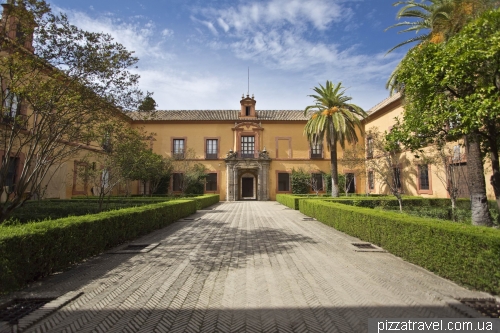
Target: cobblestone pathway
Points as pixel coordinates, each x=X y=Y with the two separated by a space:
x=245 y=267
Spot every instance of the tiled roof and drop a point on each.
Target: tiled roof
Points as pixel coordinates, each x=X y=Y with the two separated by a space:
x=215 y=115
x=385 y=102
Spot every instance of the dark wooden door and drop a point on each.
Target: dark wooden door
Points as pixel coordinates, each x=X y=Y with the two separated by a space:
x=247 y=187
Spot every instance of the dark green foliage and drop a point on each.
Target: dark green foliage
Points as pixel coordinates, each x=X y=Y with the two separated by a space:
x=54 y=209
x=32 y=251
x=468 y=255
x=300 y=180
x=341 y=184
x=163 y=185
x=148 y=104
x=206 y=200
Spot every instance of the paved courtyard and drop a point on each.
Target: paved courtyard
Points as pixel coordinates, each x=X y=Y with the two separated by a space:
x=245 y=267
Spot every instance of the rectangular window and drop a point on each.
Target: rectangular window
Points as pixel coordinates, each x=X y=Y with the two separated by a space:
x=371 y=180
x=247 y=146
x=247 y=110
x=283 y=182
x=178 y=148
x=212 y=149
x=11 y=104
x=177 y=180
x=317 y=182
x=423 y=177
x=10 y=180
x=211 y=182
x=317 y=150
x=369 y=148
x=350 y=183
x=397 y=178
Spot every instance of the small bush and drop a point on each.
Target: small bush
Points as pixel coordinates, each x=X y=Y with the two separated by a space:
x=468 y=255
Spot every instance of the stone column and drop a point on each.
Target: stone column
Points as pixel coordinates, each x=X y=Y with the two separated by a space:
x=265 y=180
x=236 y=189
x=260 y=188
x=229 y=181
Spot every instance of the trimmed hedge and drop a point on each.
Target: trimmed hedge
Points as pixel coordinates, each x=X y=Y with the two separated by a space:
x=468 y=255
x=206 y=200
x=34 y=250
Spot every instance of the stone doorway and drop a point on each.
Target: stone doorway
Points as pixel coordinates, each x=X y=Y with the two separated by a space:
x=248 y=188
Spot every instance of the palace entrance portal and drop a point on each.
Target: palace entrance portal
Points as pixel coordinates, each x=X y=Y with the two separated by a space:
x=247 y=179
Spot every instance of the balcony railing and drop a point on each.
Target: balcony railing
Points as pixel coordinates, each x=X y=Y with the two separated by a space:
x=19 y=120
x=316 y=155
x=178 y=155
x=211 y=156
x=247 y=154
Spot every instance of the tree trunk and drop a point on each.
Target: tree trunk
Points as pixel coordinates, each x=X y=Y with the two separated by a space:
x=495 y=163
x=400 y=201
x=475 y=171
x=334 y=170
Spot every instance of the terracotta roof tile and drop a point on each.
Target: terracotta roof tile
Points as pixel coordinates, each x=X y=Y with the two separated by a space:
x=385 y=102
x=215 y=115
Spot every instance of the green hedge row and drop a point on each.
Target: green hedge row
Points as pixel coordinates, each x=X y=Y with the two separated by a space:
x=40 y=211
x=292 y=200
x=372 y=201
x=203 y=201
x=34 y=250
x=468 y=255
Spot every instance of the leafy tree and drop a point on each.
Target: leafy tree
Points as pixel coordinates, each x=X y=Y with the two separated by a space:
x=452 y=90
x=299 y=181
x=123 y=153
x=447 y=161
x=193 y=174
x=438 y=19
x=353 y=158
x=303 y=181
x=148 y=104
x=53 y=94
x=334 y=119
x=388 y=163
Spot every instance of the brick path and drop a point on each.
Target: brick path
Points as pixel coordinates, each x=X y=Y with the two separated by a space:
x=245 y=267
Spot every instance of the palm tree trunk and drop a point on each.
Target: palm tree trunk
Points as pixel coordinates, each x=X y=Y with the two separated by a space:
x=475 y=171
x=334 y=170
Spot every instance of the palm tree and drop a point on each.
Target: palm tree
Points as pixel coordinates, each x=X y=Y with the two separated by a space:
x=334 y=119
x=440 y=19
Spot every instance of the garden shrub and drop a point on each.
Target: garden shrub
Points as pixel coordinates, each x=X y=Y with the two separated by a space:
x=299 y=181
x=206 y=200
x=34 y=250
x=466 y=254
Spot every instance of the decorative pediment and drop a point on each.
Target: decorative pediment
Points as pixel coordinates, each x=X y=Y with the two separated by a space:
x=247 y=126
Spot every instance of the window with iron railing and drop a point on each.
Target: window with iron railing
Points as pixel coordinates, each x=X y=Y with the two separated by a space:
x=178 y=148
x=423 y=177
x=369 y=148
x=212 y=148
x=317 y=150
x=247 y=146
x=371 y=180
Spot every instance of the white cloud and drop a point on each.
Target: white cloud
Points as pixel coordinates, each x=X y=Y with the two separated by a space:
x=167 y=32
x=318 y=13
x=133 y=35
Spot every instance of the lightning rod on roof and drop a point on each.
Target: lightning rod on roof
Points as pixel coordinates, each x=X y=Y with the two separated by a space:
x=248 y=91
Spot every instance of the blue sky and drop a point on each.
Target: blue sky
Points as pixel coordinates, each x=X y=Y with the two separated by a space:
x=195 y=54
